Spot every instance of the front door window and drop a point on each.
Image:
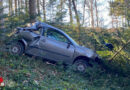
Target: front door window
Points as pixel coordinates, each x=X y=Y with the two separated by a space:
x=53 y=34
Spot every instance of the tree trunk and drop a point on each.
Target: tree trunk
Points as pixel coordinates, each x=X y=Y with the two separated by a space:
x=96 y=12
x=84 y=12
x=21 y=4
x=70 y=13
x=112 y=22
x=32 y=10
x=92 y=18
x=77 y=17
x=117 y=22
x=10 y=7
x=127 y=5
x=61 y=5
x=38 y=7
x=112 y=16
x=44 y=10
x=1 y=15
x=15 y=7
x=26 y=6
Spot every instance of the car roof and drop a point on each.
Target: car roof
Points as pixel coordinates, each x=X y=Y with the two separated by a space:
x=49 y=26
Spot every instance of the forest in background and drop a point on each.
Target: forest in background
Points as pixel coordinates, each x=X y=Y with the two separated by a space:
x=82 y=20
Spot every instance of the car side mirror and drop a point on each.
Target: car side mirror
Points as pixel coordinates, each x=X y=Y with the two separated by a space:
x=69 y=43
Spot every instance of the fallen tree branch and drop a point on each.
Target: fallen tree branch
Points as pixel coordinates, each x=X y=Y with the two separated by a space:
x=119 y=51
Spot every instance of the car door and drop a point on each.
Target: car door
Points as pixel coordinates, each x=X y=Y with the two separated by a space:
x=54 y=45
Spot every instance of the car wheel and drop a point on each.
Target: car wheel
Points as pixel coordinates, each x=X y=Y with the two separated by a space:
x=17 y=48
x=80 y=65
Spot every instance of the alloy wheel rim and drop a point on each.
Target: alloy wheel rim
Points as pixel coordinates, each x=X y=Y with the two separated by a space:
x=15 y=49
x=81 y=67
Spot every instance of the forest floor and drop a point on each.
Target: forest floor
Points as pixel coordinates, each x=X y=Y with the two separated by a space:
x=29 y=73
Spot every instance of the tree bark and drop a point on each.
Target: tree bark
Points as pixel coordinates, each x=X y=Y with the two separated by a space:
x=96 y=13
x=70 y=13
x=15 y=7
x=1 y=15
x=32 y=10
x=38 y=7
x=92 y=18
x=84 y=12
x=44 y=10
x=77 y=17
x=112 y=16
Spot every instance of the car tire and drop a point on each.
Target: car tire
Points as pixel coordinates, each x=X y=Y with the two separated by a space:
x=17 y=48
x=80 y=65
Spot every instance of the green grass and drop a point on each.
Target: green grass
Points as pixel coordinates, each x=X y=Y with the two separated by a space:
x=26 y=73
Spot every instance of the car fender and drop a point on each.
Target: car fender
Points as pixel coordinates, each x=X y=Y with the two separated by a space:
x=24 y=42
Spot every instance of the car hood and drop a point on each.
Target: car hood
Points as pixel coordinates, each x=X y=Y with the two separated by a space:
x=87 y=52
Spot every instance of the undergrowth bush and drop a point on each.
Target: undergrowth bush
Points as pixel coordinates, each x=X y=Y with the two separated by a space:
x=30 y=73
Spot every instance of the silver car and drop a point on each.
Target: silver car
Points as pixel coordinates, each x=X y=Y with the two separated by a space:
x=51 y=43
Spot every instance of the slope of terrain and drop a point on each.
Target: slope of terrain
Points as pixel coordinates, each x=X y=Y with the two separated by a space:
x=27 y=73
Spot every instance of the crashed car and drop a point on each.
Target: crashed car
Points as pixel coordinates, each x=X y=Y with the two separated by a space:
x=51 y=43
